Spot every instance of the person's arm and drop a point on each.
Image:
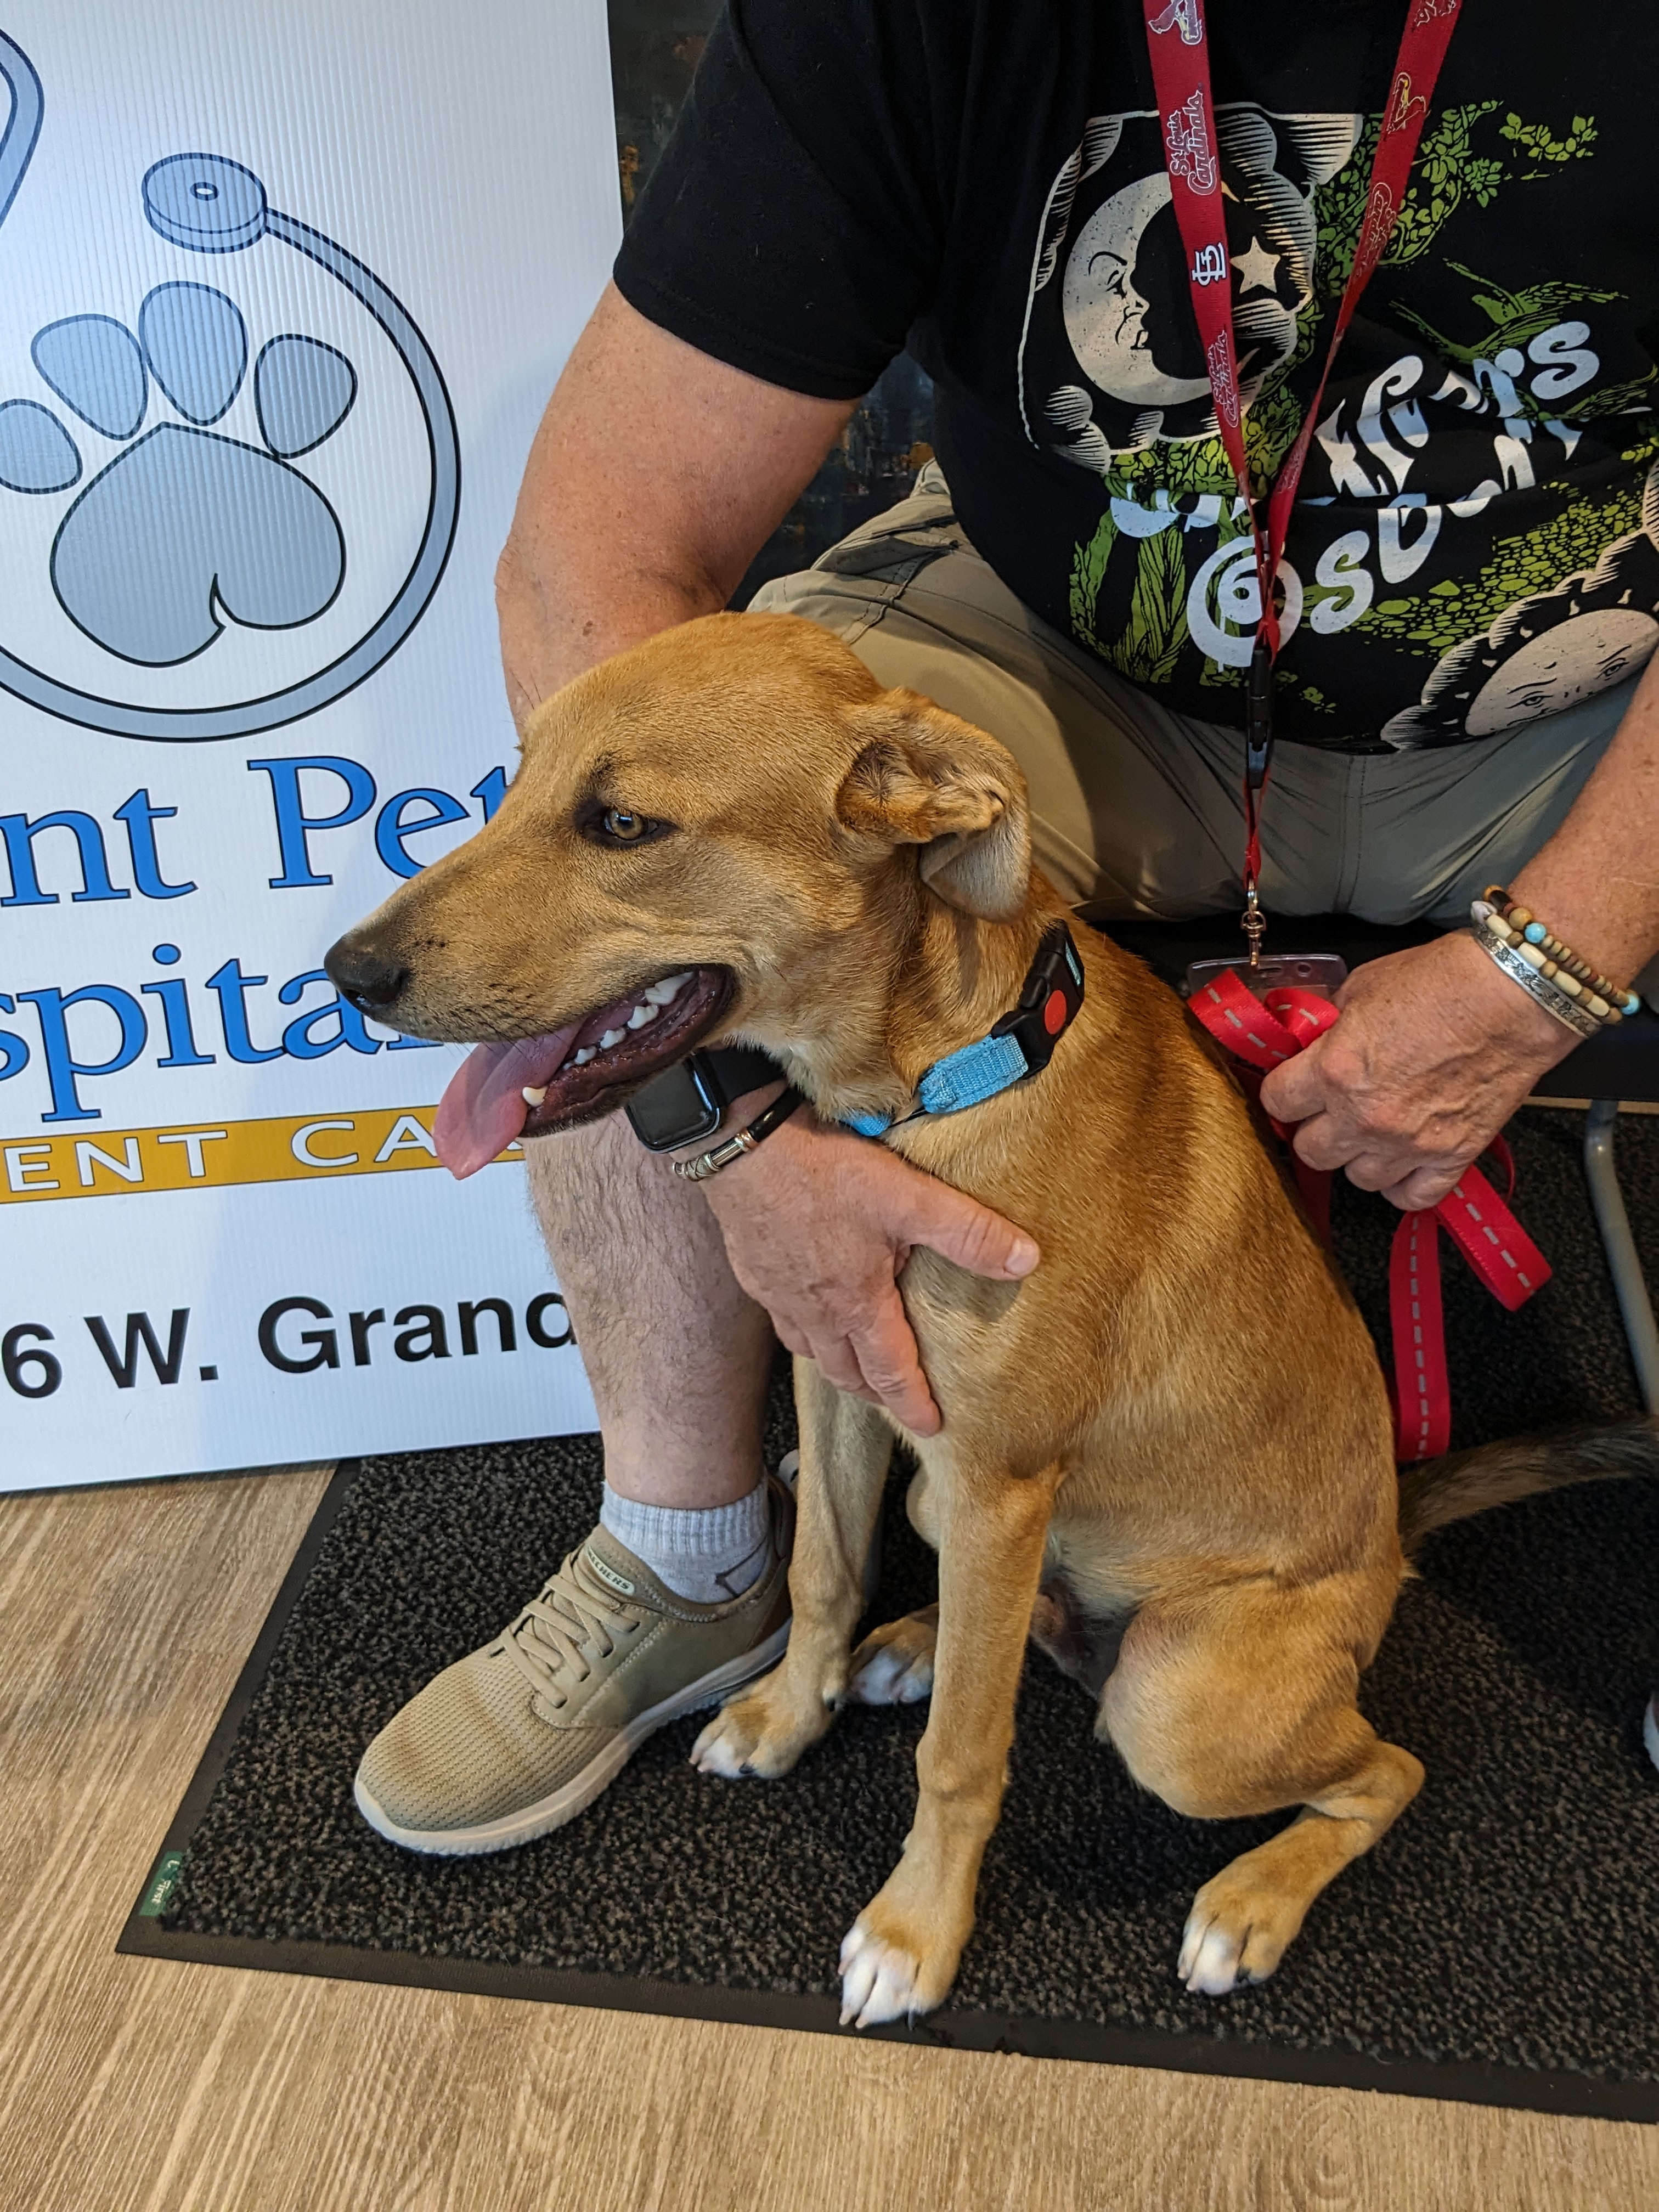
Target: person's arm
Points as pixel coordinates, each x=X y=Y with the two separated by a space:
x=1597 y=879
x=1437 y=1047
x=657 y=475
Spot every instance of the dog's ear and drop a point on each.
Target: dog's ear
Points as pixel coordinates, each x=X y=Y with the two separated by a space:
x=926 y=777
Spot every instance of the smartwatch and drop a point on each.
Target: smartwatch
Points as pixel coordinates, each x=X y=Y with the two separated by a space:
x=688 y=1101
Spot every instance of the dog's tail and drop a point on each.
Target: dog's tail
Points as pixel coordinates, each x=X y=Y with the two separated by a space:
x=1452 y=1489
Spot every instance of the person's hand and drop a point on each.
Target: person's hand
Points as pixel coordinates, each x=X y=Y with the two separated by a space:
x=819 y=1224
x=1435 y=1050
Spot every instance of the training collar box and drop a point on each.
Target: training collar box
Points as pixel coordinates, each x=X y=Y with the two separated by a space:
x=278 y=314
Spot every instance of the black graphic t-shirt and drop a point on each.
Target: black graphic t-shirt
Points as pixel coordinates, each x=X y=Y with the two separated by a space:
x=1476 y=539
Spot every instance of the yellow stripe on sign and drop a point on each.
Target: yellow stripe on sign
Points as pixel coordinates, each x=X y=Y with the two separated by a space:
x=211 y=1156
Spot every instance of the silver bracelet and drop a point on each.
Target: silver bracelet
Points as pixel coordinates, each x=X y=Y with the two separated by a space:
x=1570 y=1016
x=771 y=1117
x=710 y=1163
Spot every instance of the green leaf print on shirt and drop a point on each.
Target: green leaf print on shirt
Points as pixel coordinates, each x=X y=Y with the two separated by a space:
x=1448 y=170
x=1535 y=138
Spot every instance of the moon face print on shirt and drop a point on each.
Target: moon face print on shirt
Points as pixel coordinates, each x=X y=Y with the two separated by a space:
x=1107 y=317
x=1118 y=365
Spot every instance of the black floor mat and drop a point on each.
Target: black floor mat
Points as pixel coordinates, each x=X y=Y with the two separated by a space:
x=1501 y=1944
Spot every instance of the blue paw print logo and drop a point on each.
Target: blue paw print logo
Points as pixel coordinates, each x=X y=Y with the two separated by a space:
x=185 y=521
x=190 y=529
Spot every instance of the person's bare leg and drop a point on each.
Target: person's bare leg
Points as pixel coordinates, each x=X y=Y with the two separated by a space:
x=677 y=1354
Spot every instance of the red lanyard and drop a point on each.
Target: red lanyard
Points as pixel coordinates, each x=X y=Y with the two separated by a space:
x=1178 y=45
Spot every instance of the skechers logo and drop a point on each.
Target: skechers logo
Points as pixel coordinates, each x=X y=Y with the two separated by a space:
x=606 y=1574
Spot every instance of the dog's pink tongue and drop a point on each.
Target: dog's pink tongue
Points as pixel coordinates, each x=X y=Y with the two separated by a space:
x=485 y=1108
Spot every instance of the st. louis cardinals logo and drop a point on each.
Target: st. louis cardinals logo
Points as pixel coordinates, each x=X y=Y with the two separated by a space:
x=1180 y=15
x=1191 y=156
x=1210 y=265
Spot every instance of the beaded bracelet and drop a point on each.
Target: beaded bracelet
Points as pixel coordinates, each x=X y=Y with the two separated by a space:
x=1544 y=952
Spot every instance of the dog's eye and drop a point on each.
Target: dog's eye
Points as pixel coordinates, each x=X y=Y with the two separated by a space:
x=618 y=826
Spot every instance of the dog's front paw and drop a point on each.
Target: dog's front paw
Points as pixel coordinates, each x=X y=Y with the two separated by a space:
x=878 y=1980
x=900 y=1956
x=894 y=1665
x=1236 y=1934
x=763 y=1732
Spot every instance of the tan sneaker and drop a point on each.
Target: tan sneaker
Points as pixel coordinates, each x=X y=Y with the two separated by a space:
x=519 y=1737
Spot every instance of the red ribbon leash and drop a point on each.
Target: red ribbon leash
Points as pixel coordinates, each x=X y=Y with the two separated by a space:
x=1177 y=44
x=1266 y=1032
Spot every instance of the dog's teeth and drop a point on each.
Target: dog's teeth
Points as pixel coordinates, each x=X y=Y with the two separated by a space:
x=641 y=1015
x=532 y=1095
x=588 y=1052
x=610 y=1037
x=665 y=993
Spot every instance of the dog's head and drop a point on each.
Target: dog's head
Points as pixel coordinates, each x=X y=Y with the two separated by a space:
x=731 y=829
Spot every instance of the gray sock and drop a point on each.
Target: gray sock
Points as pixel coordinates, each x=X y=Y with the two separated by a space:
x=709 y=1554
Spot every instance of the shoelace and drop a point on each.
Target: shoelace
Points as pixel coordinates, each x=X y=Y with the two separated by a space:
x=572 y=1623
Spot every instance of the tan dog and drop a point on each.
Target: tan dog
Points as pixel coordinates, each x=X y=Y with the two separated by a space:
x=1172 y=1439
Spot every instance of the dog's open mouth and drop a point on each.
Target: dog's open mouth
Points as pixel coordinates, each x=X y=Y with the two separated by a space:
x=540 y=1084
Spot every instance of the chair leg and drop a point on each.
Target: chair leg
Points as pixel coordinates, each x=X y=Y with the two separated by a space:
x=1628 y=1281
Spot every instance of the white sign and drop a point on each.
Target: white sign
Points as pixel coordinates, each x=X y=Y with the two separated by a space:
x=283 y=289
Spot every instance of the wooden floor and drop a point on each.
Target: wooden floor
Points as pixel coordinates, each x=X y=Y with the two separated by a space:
x=124 y=1615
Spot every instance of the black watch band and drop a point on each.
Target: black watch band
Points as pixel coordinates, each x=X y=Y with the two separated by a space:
x=688 y=1101
x=740 y=1067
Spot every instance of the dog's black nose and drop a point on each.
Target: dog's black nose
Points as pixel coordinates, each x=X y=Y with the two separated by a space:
x=361 y=971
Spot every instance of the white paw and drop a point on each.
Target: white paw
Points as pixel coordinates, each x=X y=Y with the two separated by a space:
x=722 y=1748
x=878 y=1982
x=893 y=1677
x=763 y=1732
x=1211 y=1956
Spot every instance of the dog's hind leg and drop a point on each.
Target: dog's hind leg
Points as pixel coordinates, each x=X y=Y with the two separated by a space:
x=894 y=1665
x=845 y=1447
x=900 y=1956
x=1241 y=1701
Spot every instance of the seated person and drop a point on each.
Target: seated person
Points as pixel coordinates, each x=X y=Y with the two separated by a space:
x=1471 y=595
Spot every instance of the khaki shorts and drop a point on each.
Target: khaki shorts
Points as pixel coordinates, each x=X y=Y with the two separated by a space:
x=1136 y=811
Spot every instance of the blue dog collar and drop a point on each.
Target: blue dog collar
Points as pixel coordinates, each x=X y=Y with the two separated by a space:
x=1021 y=1044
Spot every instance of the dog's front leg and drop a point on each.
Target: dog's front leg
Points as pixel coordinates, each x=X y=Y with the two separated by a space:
x=900 y=1956
x=845 y=1447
